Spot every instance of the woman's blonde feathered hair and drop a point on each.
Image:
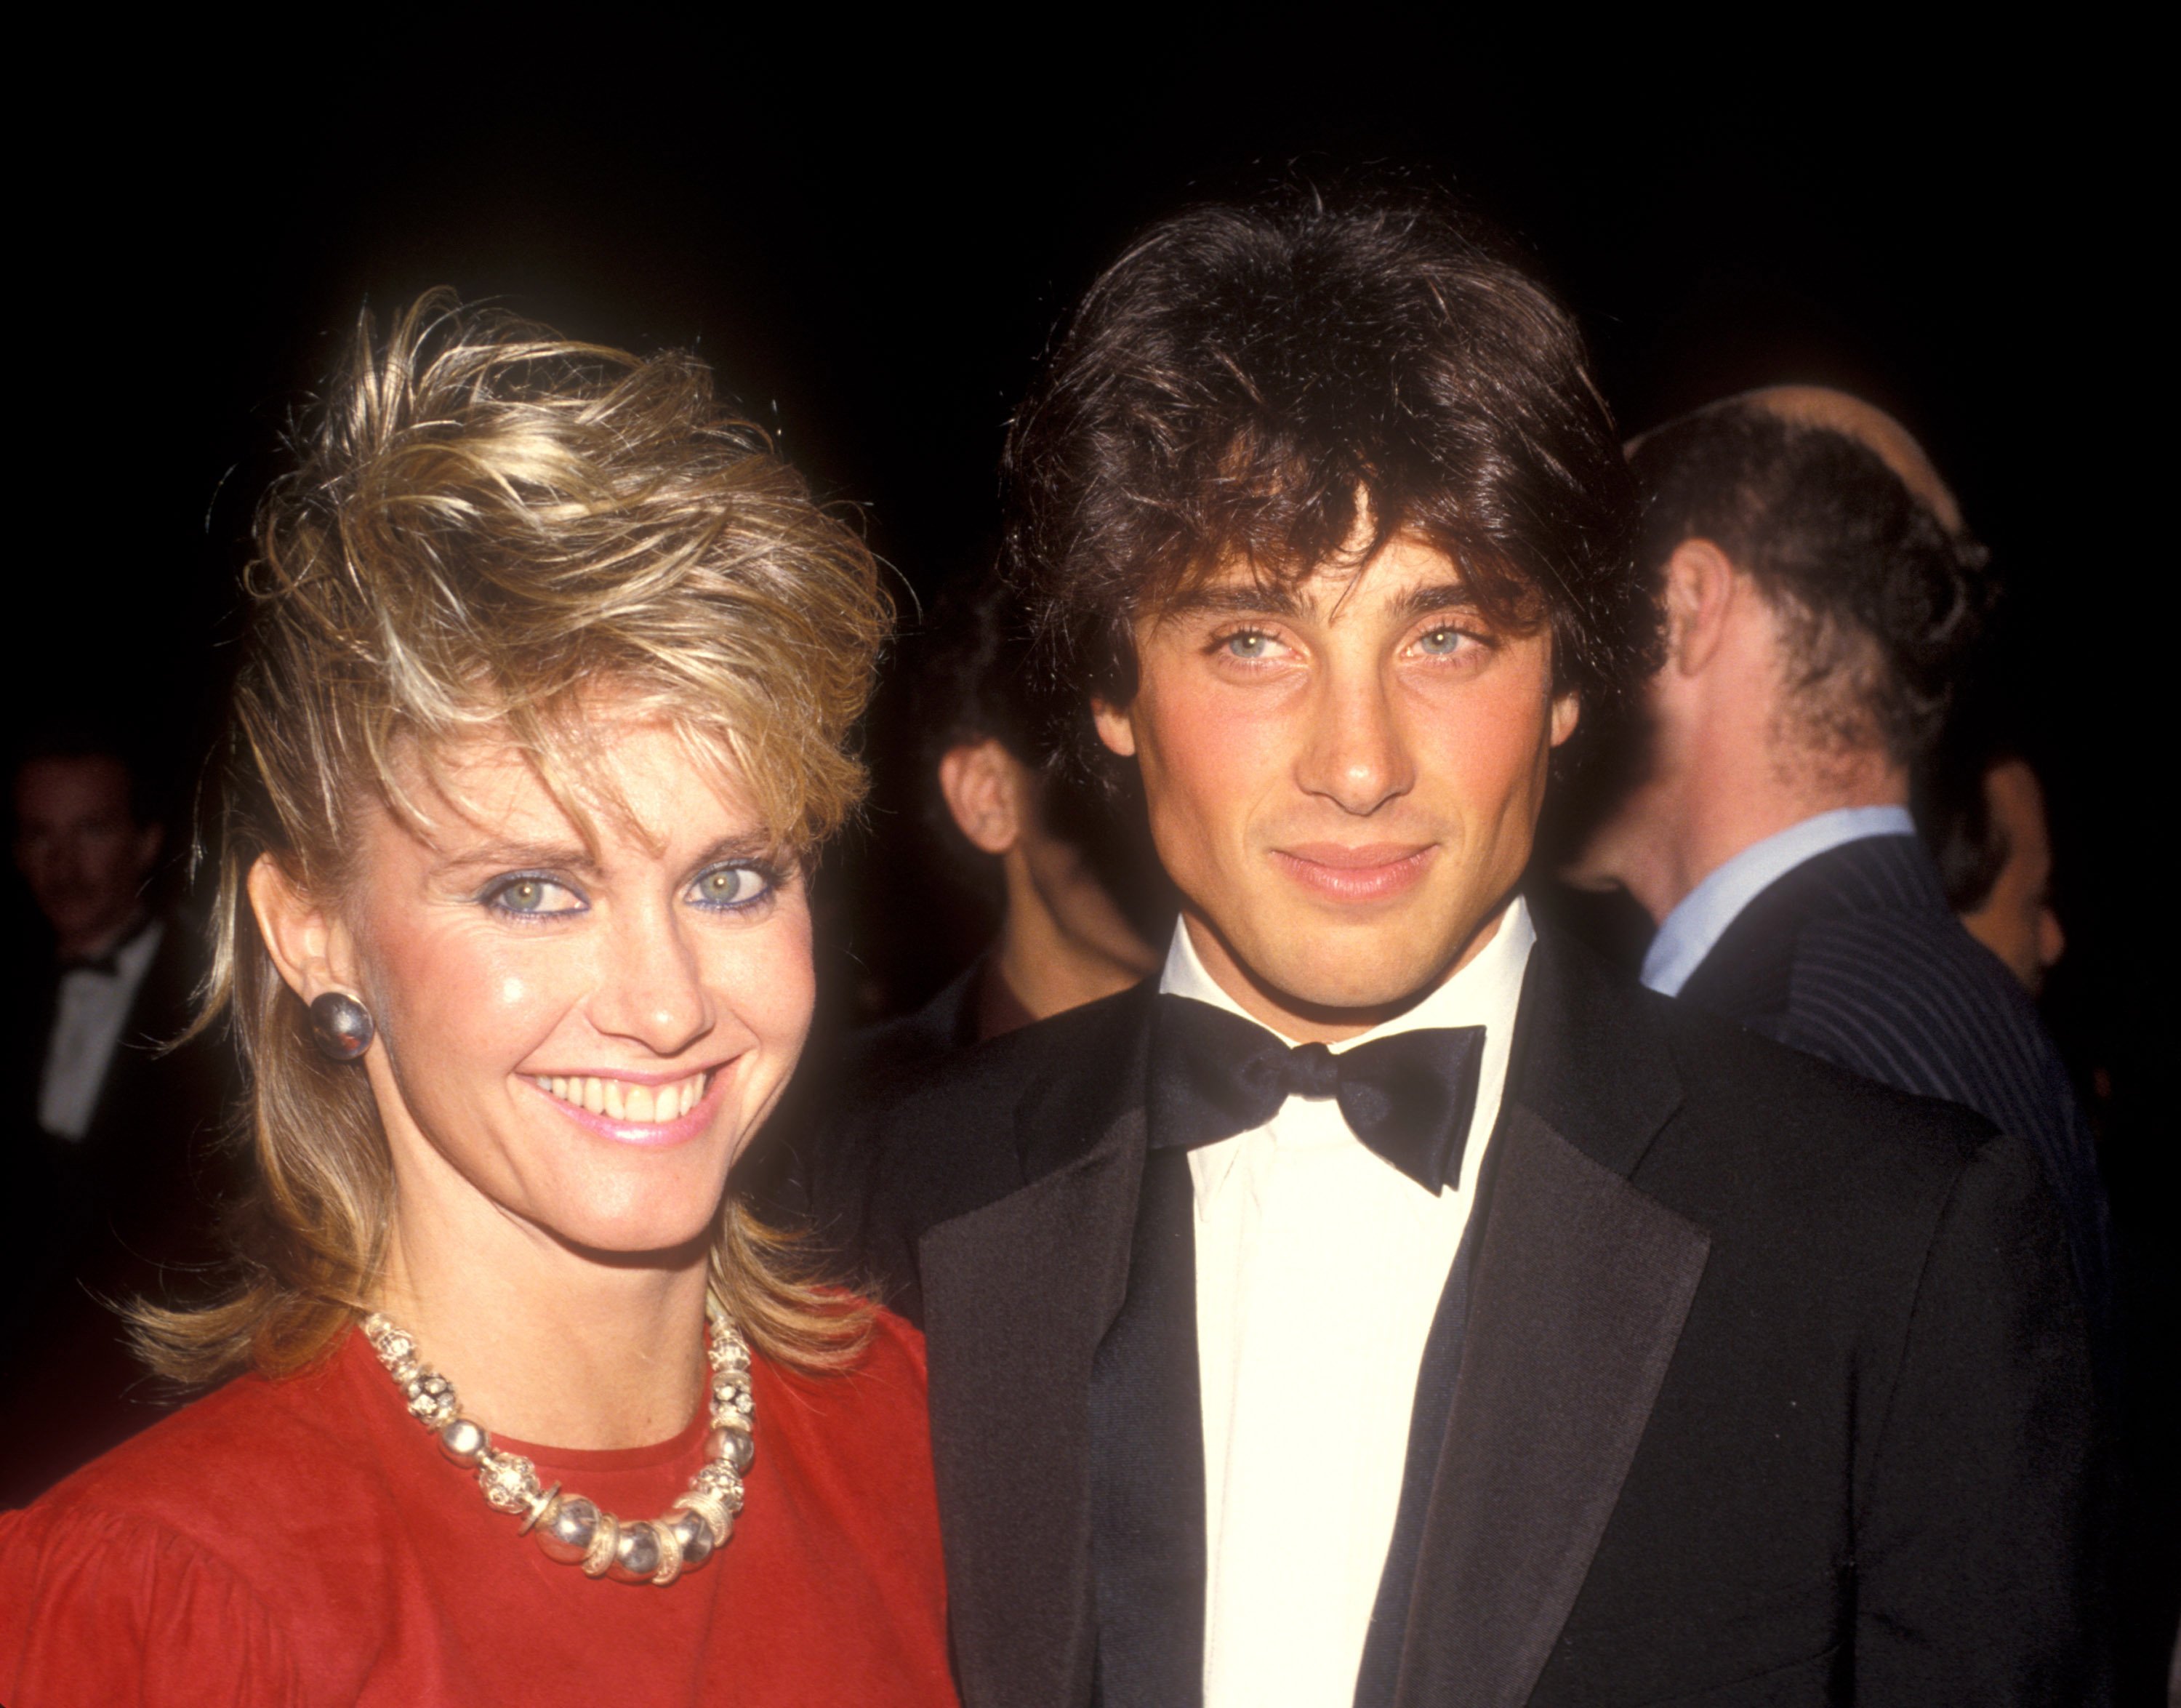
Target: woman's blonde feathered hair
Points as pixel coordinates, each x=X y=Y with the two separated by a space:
x=485 y=522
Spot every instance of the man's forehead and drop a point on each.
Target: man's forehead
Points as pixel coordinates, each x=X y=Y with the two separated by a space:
x=73 y=782
x=1402 y=569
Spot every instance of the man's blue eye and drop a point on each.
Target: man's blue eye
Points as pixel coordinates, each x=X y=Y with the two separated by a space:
x=730 y=886
x=1247 y=645
x=1442 y=641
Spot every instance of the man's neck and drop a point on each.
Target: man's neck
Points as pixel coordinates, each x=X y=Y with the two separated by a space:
x=1312 y=1023
x=1051 y=969
x=90 y=945
x=1725 y=807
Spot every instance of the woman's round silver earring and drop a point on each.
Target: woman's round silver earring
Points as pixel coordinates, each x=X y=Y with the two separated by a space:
x=340 y=1026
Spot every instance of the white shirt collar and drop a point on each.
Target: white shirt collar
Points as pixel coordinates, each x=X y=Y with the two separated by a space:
x=1694 y=927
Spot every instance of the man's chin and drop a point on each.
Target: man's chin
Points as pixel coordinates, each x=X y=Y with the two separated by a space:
x=1362 y=988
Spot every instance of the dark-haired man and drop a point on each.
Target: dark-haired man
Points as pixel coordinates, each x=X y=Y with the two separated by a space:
x=1822 y=600
x=1386 y=1305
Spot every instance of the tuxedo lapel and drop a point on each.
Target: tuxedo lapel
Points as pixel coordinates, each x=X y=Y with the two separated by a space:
x=1575 y=1303
x=1018 y=1297
x=1147 y=1461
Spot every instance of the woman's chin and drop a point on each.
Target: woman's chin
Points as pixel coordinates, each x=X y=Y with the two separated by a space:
x=665 y=1241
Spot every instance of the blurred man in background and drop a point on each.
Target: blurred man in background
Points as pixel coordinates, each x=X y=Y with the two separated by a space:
x=1060 y=870
x=1821 y=598
x=1981 y=808
x=110 y=1164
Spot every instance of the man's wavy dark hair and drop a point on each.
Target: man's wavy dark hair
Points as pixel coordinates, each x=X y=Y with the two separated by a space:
x=1247 y=380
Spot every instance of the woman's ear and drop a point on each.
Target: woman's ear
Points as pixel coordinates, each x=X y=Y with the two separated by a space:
x=309 y=946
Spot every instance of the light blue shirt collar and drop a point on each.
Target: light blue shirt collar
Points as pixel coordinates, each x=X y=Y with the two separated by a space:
x=1690 y=931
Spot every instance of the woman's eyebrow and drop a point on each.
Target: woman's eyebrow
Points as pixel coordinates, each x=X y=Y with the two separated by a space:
x=751 y=845
x=559 y=856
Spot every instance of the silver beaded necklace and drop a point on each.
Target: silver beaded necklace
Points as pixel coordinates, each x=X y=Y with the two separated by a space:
x=569 y=1529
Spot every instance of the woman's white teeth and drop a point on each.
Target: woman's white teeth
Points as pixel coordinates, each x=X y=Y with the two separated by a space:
x=623 y=1100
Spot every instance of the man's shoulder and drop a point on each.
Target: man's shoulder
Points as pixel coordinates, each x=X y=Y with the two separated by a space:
x=984 y=1121
x=1728 y=1071
x=1775 y=1134
x=990 y=1080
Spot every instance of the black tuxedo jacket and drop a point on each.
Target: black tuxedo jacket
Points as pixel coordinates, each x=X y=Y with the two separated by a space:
x=1855 y=956
x=1771 y=1386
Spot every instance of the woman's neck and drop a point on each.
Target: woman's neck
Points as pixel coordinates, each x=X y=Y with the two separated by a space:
x=546 y=1345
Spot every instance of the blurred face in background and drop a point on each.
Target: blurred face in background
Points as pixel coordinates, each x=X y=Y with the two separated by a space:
x=2016 y=922
x=81 y=849
x=1342 y=777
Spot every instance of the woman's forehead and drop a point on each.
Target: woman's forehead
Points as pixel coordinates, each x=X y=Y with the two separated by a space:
x=647 y=782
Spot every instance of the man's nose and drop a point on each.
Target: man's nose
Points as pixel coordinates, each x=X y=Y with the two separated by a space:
x=653 y=991
x=1358 y=755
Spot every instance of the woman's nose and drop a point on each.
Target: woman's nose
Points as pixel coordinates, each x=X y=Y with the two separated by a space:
x=654 y=991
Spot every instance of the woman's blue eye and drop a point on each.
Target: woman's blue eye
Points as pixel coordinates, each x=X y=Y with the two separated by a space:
x=535 y=896
x=730 y=886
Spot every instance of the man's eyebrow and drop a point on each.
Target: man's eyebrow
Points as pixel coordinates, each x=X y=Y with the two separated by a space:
x=1438 y=596
x=1237 y=599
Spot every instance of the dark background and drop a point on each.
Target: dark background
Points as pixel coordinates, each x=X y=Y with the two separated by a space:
x=872 y=236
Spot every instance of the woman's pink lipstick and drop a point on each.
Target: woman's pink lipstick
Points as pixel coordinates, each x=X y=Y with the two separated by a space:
x=645 y=1135
x=1356 y=872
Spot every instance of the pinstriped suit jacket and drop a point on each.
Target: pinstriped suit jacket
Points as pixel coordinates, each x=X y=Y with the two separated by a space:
x=1854 y=956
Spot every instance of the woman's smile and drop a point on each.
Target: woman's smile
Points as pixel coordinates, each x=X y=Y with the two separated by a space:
x=635 y=1109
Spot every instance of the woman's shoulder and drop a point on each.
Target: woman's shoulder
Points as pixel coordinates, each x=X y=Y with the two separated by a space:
x=880 y=1391
x=152 y=1557
x=201 y=1468
x=895 y=1350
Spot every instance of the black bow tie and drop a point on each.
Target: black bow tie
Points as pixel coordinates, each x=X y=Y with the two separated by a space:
x=1409 y=1097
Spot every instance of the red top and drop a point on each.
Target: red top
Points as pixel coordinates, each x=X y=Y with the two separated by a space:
x=304 y=1542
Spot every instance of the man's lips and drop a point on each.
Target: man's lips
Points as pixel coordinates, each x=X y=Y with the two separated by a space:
x=1356 y=871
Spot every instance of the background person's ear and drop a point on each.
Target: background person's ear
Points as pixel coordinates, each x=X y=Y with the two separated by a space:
x=309 y=948
x=986 y=790
x=1114 y=727
x=1702 y=585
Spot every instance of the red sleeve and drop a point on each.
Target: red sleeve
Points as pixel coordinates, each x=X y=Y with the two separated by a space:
x=101 y=1608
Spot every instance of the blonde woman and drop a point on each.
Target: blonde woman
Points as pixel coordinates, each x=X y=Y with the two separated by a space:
x=541 y=720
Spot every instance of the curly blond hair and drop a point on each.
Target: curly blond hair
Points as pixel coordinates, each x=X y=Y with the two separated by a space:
x=485 y=522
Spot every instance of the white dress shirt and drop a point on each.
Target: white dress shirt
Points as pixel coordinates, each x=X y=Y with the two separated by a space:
x=1694 y=929
x=1319 y=1268
x=89 y=1013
